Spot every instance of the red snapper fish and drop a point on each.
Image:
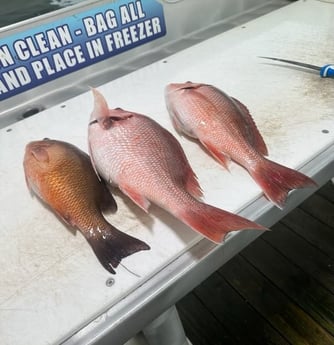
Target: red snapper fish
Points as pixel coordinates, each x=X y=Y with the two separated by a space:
x=147 y=163
x=62 y=176
x=227 y=130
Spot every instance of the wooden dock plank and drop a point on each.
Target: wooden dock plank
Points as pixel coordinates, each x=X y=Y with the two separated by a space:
x=300 y=287
x=291 y=321
x=324 y=211
x=303 y=254
x=310 y=228
x=279 y=290
x=201 y=327
x=242 y=321
x=327 y=191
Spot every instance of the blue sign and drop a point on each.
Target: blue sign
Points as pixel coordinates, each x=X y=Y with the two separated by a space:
x=47 y=52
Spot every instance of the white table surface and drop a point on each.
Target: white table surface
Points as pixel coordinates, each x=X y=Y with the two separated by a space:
x=51 y=283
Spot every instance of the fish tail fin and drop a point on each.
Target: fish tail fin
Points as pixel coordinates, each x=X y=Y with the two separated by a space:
x=111 y=246
x=277 y=180
x=213 y=222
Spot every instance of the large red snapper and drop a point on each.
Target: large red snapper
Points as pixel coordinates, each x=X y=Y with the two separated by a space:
x=148 y=164
x=62 y=176
x=227 y=130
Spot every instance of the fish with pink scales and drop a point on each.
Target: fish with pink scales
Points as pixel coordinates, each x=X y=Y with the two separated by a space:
x=226 y=129
x=147 y=163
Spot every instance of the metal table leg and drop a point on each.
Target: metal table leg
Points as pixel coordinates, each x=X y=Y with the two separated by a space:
x=166 y=329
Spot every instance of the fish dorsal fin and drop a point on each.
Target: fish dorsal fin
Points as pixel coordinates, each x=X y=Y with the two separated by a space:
x=103 y=115
x=101 y=111
x=253 y=134
x=137 y=198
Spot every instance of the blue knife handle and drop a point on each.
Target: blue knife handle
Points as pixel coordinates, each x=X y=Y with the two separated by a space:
x=327 y=71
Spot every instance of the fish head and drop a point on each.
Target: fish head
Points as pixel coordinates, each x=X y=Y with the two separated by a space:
x=36 y=153
x=176 y=92
x=104 y=116
x=47 y=154
x=37 y=161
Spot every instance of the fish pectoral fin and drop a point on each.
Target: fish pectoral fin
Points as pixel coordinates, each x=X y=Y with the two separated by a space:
x=29 y=185
x=137 y=198
x=33 y=188
x=222 y=158
x=176 y=123
x=253 y=135
x=67 y=219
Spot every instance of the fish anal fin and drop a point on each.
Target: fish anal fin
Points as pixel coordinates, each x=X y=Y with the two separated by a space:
x=108 y=202
x=192 y=186
x=252 y=134
x=66 y=220
x=93 y=162
x=222 y=158
x=137 y=198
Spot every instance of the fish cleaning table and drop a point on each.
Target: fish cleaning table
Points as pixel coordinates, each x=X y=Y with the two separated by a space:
x=53 y=289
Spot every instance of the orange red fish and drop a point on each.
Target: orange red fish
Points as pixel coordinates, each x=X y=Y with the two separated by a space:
x=62 y=176
x=147 y=163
